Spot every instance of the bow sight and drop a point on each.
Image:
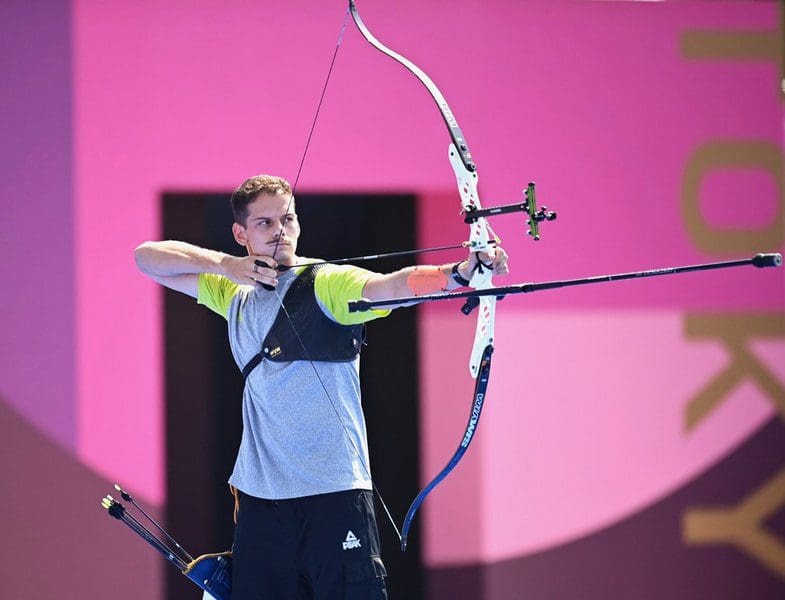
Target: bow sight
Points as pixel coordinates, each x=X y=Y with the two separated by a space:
x=529 y=206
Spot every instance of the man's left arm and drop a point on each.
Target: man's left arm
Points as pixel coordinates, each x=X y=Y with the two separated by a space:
x=430 y=279
x=336 y=286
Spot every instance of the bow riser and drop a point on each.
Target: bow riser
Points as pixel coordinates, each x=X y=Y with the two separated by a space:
x=480 y=236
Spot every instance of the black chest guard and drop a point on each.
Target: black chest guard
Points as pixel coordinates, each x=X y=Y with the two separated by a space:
x=324 y=339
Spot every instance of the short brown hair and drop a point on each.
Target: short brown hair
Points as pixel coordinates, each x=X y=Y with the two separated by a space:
x=251 y=188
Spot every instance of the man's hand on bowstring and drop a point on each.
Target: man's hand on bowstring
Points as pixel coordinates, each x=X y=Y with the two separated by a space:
x=495 y=258
x=245 y=271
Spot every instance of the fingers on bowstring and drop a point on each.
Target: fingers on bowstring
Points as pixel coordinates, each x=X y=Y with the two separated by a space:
x=263 y=261
x=262 y=275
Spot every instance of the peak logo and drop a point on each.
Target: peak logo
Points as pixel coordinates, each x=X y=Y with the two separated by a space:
x=351 y=541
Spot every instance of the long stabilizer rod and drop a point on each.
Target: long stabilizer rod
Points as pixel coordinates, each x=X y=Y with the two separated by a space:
x=759 y=260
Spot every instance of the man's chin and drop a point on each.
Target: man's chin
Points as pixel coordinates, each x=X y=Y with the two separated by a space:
x=285 y=255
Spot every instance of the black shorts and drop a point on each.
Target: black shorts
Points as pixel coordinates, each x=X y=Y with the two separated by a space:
x=324 y=547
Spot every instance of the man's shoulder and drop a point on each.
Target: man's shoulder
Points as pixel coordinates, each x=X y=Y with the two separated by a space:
x=345 y=278
x=337 y=285
x=216 y=292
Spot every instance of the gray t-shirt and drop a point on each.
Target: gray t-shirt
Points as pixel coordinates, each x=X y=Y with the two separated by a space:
x=296 y=440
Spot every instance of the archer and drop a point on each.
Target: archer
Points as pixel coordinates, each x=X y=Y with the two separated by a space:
x=305 y=522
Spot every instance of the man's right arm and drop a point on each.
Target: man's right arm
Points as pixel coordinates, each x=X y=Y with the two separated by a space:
x=177 y=265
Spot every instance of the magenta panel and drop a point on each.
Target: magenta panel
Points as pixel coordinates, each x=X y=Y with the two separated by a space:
x=37 y=224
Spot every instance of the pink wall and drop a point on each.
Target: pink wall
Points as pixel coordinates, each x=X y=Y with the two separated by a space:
x=586 y=410
x=596 y=101
x=605 y=117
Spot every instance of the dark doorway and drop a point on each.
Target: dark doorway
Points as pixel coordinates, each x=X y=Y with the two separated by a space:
x=203 y=387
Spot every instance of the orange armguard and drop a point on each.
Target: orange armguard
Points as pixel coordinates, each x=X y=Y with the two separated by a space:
x=426 y=280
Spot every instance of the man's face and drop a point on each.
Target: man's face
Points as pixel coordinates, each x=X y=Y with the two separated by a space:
x=269 y=224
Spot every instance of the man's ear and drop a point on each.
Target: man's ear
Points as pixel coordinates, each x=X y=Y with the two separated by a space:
x=239 y=234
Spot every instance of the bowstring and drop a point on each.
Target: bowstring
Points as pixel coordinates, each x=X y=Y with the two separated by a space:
x=313 y=125
x=338 y=415
x=280 y=299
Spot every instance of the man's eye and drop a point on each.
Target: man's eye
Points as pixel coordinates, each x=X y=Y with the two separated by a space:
x=289 y=219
